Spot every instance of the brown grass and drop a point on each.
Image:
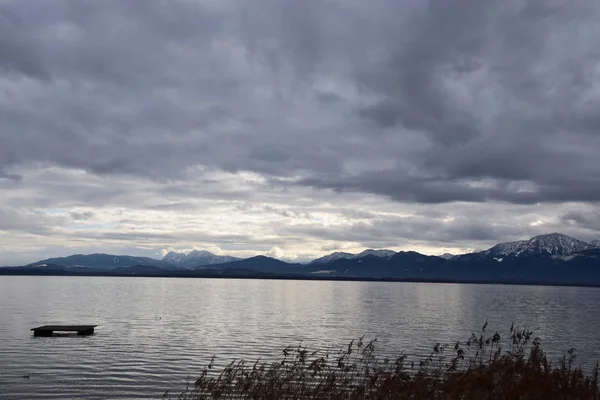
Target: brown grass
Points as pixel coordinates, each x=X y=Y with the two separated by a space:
x=476 y=369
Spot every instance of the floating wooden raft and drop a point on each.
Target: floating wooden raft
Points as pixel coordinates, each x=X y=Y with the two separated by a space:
x=48 y=330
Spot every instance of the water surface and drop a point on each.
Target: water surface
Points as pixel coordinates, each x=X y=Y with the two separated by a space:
x=156 y=333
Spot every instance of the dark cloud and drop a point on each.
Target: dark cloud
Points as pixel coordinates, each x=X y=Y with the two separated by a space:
x=574 y=216
x=269 y=155
x=12 y=177
x=327 y=97
x=82 y=216
x=462 y=91
x=587 y=218
x=14 y=220
x=17 y=48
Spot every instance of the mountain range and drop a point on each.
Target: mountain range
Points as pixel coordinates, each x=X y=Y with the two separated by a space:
x=196 y=258
x=546 y=259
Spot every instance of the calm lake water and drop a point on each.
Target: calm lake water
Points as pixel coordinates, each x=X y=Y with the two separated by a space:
x=156 y=333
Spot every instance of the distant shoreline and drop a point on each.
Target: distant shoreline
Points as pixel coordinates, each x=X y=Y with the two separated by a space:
x=12 y=271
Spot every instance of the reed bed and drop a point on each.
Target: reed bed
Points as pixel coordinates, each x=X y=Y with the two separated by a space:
x=484 y=366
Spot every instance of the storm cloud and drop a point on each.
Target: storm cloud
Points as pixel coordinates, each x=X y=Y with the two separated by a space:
x=296 y=126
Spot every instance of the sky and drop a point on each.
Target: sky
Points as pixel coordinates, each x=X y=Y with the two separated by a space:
x=295 y=128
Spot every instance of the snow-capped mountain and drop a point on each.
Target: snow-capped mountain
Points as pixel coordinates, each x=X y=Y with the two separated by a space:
x=555 y=244
x=173 y=257
x=595 y=244
x=507 y=248
x=448 y=256
x=196 y=258
x=331 y=257
x=376 y=253
x=349 y=256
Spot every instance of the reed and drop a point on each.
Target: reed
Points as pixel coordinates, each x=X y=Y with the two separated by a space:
x=483 y=367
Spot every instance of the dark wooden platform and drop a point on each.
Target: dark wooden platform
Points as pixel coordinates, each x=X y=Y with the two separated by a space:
x=48 y=330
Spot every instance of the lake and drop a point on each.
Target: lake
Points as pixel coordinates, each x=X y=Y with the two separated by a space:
x=155 y=333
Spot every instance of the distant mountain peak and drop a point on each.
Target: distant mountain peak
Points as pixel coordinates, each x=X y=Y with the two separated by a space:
x=447 y=256
x=331 y=257
x=377 y=253
x=349 y=256
x=200 y=253
x=173 y=257
x=195 y=258
x=552 y=236
x=555 y=244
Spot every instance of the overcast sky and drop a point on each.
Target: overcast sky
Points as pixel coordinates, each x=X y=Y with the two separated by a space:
x=295 y=128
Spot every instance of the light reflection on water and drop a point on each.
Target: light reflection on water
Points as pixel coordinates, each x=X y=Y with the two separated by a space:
x=155 y=333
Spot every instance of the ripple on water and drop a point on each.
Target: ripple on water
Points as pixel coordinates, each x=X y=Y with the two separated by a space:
x=155 y=334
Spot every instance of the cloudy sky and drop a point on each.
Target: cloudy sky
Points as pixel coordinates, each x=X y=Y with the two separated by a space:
x=295 y=128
